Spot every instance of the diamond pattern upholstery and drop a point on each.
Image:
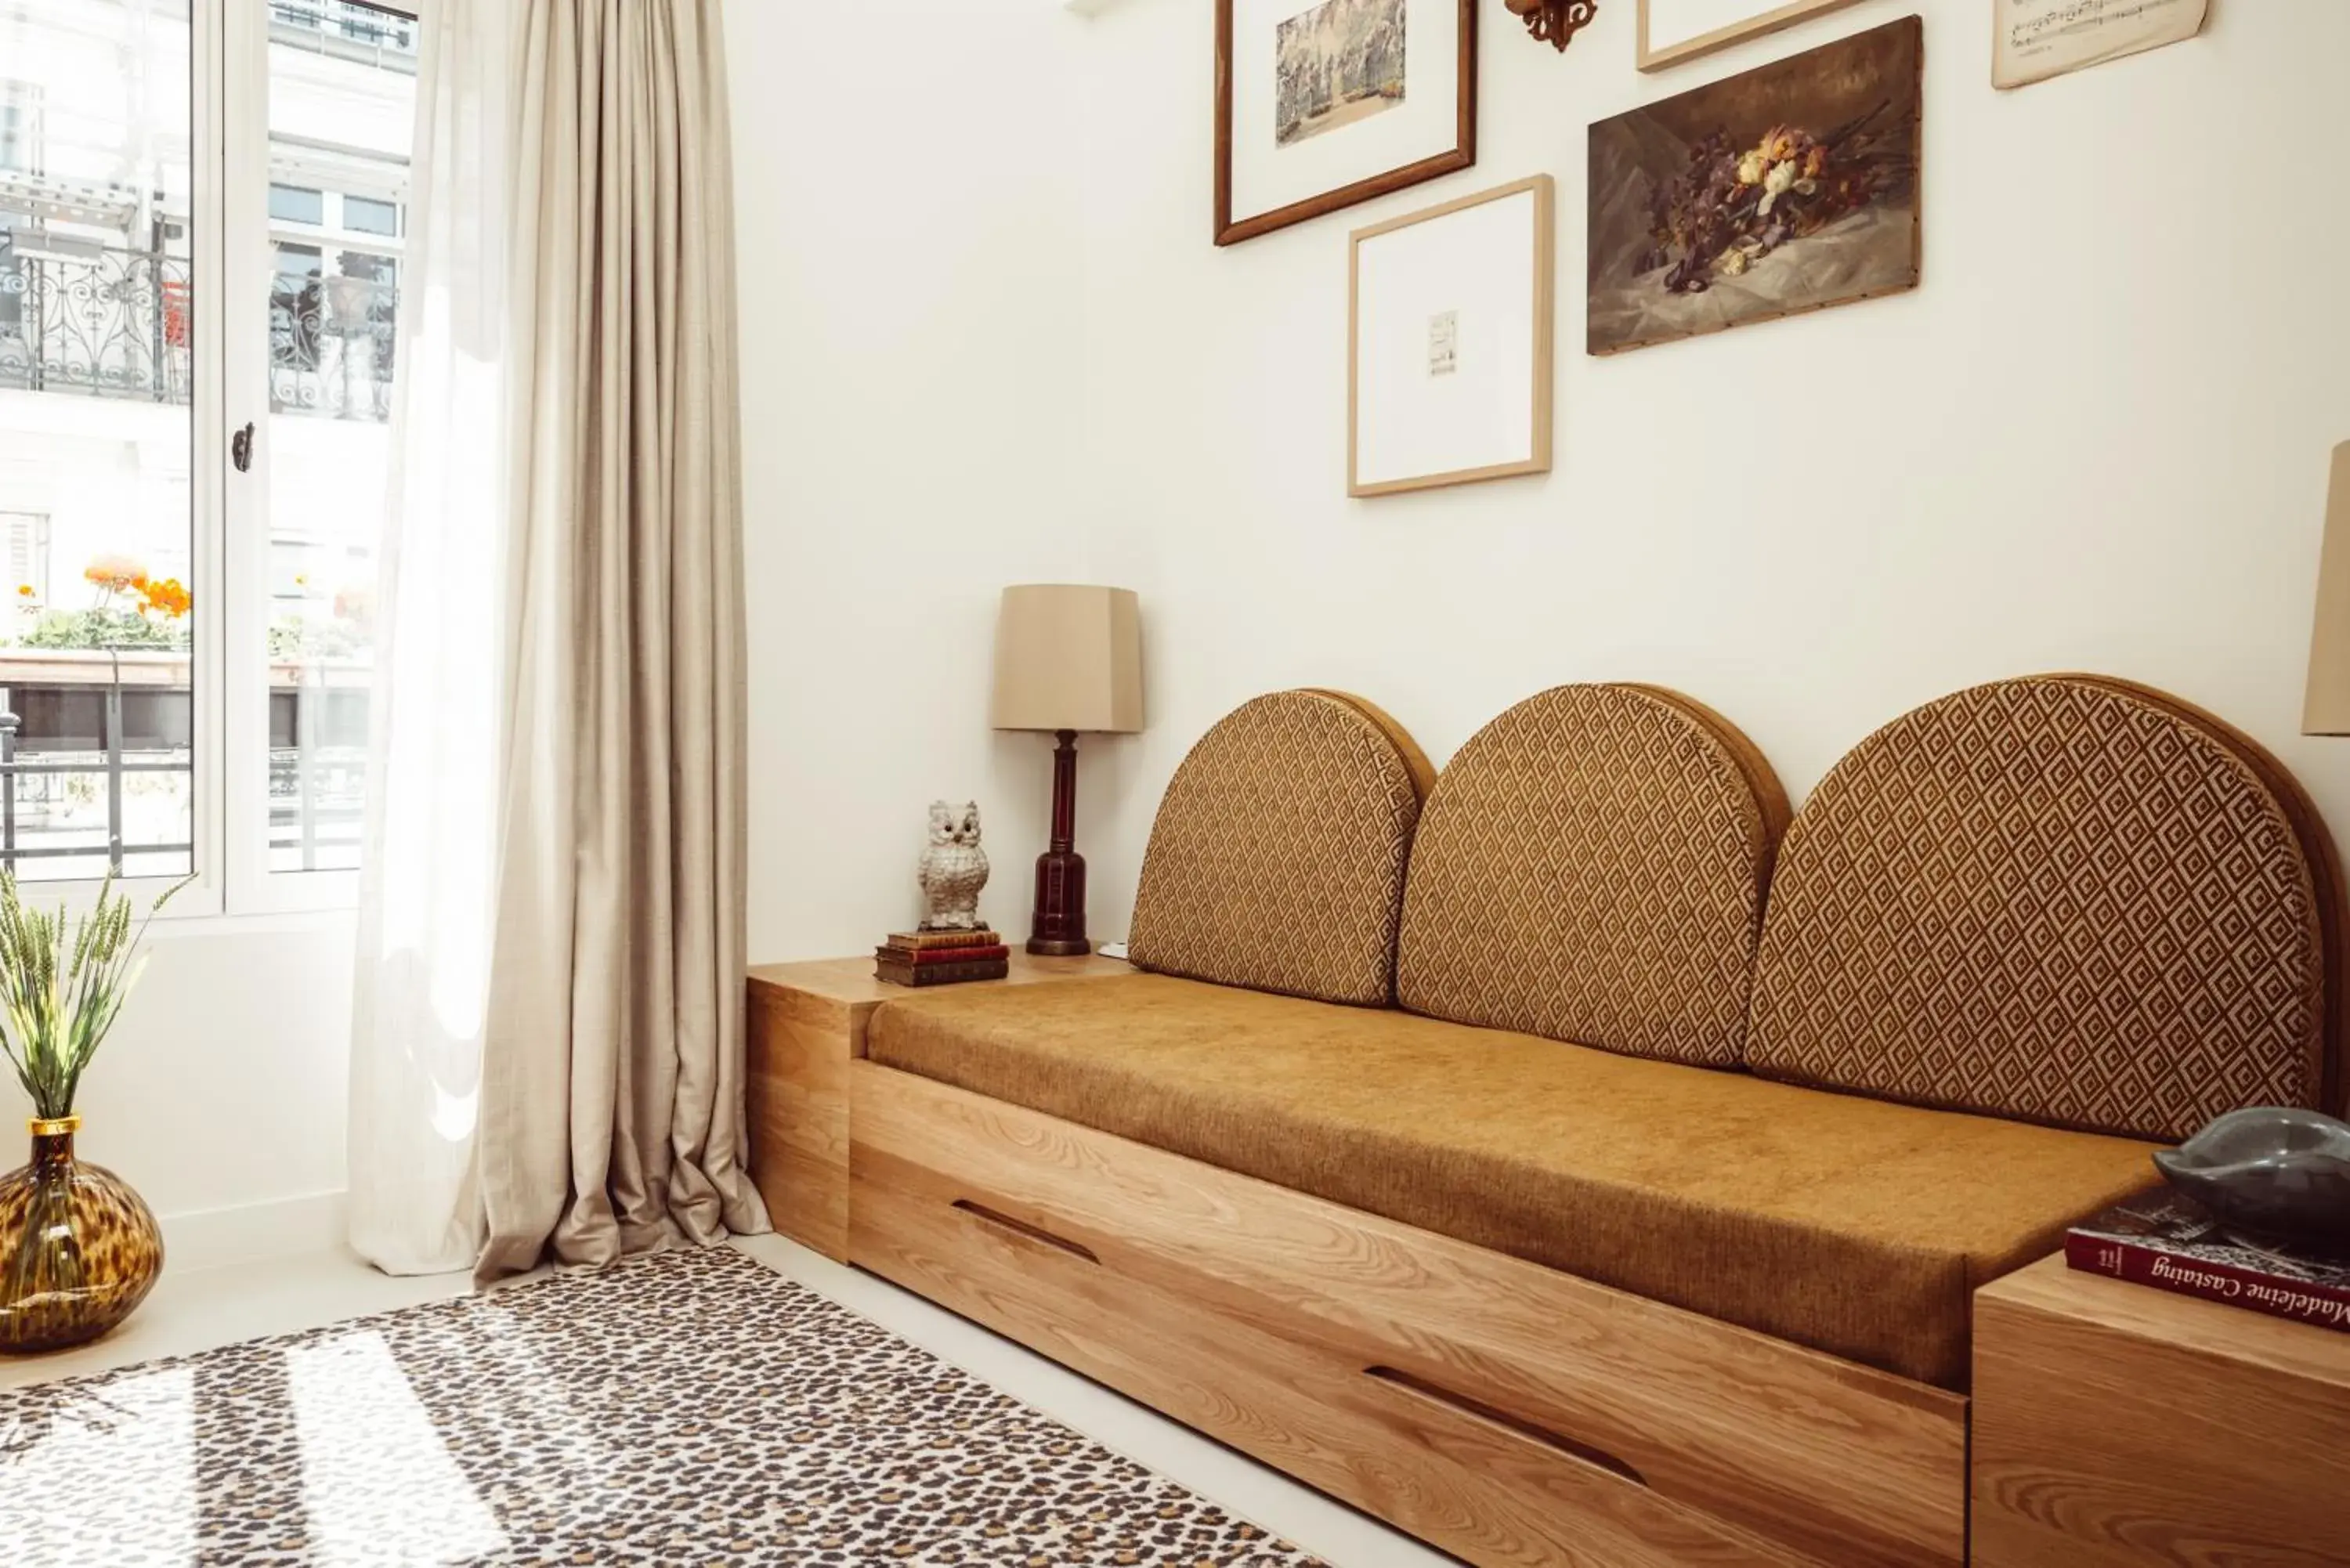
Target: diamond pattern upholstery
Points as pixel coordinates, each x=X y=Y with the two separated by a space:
x=1276 y=861
x=2062 y=900
x=1590 y=867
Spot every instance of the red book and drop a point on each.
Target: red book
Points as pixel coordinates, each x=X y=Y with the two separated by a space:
x=970 y=937
x=2168 y=1241
x=920 y=956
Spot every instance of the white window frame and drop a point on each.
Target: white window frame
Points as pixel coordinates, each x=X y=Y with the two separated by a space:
x=231 y=233
x=252 y=887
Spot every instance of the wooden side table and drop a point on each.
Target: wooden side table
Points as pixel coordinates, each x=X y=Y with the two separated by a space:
x=807 y=1024
x=2116 y=1426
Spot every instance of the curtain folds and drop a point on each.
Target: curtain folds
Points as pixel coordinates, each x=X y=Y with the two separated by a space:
x=608 y=844
x=612 y=1073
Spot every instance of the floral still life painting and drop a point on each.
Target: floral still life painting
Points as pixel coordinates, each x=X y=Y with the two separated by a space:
x=1787 y=189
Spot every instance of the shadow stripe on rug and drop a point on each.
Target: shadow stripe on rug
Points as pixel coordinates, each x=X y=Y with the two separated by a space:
x=685 y=1408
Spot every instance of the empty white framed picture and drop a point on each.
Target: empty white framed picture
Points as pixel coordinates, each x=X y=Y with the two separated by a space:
x=1449 y=316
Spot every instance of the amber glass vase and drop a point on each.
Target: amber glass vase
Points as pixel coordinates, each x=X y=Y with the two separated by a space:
x=78 y=1250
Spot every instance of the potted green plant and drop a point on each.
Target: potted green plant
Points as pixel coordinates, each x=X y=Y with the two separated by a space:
x=78 y=1249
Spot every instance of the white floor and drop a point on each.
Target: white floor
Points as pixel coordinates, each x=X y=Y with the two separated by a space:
x=200 y=1309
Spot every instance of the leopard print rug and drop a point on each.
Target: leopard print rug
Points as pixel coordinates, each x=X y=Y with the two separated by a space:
x=689 y=1408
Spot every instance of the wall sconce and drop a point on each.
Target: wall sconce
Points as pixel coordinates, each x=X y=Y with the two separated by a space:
x=1555 y=21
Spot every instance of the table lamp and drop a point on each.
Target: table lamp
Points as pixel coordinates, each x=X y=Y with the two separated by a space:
x=1067 y=658
x=2325 y=702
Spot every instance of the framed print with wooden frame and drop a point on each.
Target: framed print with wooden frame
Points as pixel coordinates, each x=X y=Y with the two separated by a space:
x=1448 y=323
x=1674 y=31
x=1324 y=103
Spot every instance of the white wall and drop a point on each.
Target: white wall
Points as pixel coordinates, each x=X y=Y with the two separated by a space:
x=220 y=1096
x=906 y=209
x=2096 y=437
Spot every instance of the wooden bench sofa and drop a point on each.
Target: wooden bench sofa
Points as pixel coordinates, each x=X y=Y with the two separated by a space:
x=1490 y=1152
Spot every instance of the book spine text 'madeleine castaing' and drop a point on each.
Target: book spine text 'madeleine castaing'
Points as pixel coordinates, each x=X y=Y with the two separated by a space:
x=2164 y=1270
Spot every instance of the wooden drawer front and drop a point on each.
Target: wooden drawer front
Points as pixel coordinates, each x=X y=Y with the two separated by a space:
x=1478 y=1487
x=1505 y=1411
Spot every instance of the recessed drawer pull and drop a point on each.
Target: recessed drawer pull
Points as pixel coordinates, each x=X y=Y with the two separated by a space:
x=1461 y=1404
x=1022 y=1227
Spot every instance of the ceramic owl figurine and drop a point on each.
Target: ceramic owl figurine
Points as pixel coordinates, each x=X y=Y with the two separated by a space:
x=953 y=868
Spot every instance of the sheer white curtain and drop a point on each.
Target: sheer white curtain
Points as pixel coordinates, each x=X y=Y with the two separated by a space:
x=426 y=902
x=548 y=1049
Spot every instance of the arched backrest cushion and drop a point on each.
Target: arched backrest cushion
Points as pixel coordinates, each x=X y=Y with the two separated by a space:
x=1590 y=866
x=1277 y=858
x=2063 y=900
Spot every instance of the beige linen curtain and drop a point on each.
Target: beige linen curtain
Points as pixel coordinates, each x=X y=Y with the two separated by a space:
x=612 y=1078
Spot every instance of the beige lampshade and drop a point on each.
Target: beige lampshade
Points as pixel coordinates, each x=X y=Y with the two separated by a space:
x=1068 y=657
x=2325 y=704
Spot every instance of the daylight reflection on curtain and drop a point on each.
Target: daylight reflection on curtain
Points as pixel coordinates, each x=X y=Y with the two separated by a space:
x=553 y=933
x=426 y=890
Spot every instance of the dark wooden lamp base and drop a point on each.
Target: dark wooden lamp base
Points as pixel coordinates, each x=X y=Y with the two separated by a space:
x=1057 y=926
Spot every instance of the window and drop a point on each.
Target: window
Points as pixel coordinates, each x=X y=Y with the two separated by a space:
x=365 y=215
x=200 y=205
x=25 y=537
x=339 y=105
x=20 y=127
x=293 y=204
x=12 y=307
x=98 y=471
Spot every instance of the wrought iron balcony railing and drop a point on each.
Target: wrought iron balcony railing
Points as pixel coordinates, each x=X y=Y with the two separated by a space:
x=116 y=324
x=330 y=347
x=113 y=325
x=339 y=19
x=95 y=768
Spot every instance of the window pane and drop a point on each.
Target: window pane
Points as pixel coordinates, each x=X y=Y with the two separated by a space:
x=370 y=217
x=96 y=527
x=295 y=205
x=342 y=103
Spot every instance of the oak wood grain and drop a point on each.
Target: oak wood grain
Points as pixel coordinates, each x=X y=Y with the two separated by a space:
x=1652 y=56
x=850 y=982
x=1825 y=1460
x=798 y=1093
x=1476 y=1486
x=2116 y=1426
x=806 y=1021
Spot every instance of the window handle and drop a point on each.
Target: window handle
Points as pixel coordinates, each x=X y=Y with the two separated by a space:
x=240 y=449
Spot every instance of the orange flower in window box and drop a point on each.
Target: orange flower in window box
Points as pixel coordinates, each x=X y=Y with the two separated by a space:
x=169 y=598
x=116 y=573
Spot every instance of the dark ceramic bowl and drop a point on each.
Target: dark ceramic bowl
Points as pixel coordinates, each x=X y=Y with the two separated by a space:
x=2281 y=1177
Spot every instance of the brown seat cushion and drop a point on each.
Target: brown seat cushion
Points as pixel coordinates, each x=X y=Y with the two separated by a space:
x=1848 y=1224
x=1590 y=866
x=1277 y=857
x=2063 y=898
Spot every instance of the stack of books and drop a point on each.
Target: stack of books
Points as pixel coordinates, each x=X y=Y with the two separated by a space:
x=2168 y=1241
x=942 y=958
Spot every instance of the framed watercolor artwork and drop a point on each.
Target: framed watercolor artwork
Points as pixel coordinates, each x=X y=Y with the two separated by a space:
x=1324 y=103
x=1673 y=31
x=1789 y=188
x=1449 y=321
